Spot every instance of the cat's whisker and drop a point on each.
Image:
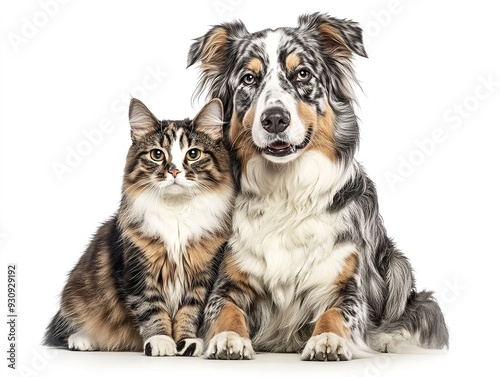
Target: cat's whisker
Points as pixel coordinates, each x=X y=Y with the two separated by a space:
x=206 y=187
x=200 y=189
x=141 y=184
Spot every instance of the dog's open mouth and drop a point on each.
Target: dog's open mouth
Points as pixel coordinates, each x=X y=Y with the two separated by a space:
x=281 y=148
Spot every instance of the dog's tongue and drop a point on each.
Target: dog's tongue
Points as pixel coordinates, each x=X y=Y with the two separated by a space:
x=279 y=145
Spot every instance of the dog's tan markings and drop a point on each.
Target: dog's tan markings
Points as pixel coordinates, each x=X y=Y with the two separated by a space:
x=292 y=62
x=231 y=318
x=307 y=114
x=255 y=65
x=335 y=44
x=240 y=135
x=325 y=139
x=331 y=321
x=212 y=55
x=350 y=269
x=249 y=118
x=322 y=139
x=234 y=273
x=244 y=291
x=236 y=128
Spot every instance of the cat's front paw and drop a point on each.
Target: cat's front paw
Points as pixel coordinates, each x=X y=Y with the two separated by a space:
x=190 y=347
x=228 y=345
x=80 y=342
x=159 y=345
x=326 y=347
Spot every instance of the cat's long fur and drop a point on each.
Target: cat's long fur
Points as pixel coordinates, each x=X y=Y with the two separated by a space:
x=143 y=281
x=309 y=266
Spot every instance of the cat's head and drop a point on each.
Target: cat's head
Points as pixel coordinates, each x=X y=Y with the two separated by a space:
x=176 y=158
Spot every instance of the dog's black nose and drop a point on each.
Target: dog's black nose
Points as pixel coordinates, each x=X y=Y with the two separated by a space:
x=275 y=119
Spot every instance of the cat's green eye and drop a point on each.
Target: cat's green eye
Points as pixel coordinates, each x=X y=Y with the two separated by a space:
x=156 y=154
x=193 y=154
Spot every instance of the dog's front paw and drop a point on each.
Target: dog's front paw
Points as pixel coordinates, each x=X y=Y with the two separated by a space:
x=228 y=345
x=159 y=345
x=190 y=347
x=326 y=347
x=80 y=342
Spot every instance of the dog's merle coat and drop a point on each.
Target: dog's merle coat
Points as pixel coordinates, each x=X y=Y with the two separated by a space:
x=309 y=267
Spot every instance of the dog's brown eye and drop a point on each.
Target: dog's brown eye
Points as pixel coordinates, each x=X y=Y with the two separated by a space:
x=156 y=154
x=303 y=75
x=248 y=79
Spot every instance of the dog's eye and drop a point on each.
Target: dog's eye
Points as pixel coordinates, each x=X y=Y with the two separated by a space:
x=303 y=75
x=248 y=79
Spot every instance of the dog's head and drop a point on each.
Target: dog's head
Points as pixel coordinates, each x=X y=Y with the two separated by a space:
x=286 y=90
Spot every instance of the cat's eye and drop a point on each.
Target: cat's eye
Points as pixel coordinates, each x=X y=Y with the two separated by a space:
x=156 y=154
x=193 y=154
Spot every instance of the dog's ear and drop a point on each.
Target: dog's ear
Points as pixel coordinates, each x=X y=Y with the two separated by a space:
x=211 y=49
x=214 y=52
x=339 y=38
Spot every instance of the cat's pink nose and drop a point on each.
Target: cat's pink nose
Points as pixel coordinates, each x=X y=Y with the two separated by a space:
x=174 y=172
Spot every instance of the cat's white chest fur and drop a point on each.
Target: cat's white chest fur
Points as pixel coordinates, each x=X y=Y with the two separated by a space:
x=178 y=221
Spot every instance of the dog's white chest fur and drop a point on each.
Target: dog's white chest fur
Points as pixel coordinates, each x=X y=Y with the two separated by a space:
x=286 y=240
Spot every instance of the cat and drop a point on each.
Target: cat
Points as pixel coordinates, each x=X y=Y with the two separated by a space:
x=143 y=281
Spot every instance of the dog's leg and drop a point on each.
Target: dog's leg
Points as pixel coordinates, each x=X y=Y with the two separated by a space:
x=329 y=338
x=335 y=329
x=228 y=335
x=225 y=319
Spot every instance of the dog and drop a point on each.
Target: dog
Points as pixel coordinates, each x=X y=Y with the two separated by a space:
x=309 y=267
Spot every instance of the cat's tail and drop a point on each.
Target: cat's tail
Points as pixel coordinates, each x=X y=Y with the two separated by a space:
x=58 y=332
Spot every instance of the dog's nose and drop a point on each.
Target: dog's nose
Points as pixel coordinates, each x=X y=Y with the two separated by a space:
x=275 y=119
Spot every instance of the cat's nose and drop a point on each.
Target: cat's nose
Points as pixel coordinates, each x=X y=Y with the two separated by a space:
x=174 y=172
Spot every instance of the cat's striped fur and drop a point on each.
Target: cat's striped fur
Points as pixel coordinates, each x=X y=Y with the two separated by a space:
x=144 y=279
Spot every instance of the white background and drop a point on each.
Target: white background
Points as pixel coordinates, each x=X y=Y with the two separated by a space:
x=77 y=67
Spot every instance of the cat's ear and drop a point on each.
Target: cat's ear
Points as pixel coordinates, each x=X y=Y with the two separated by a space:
x=142 y=121
x=210 y=119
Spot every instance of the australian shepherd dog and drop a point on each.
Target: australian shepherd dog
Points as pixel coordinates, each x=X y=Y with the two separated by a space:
x=309 y=267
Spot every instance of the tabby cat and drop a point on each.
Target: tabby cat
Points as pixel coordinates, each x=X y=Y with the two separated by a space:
x=143 y=281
